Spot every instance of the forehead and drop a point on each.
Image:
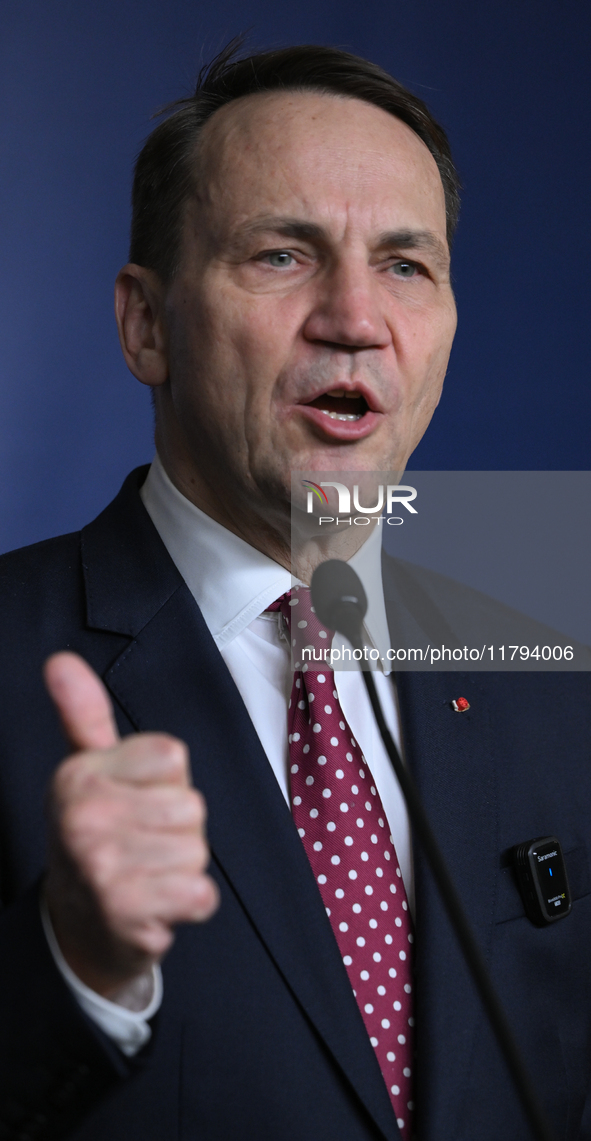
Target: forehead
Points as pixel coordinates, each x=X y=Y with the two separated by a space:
x=321 y=154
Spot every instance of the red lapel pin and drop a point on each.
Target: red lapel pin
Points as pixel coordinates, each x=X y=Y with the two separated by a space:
x=460 y=705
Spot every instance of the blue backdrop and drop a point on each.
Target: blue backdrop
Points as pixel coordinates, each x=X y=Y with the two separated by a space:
x=510 y=81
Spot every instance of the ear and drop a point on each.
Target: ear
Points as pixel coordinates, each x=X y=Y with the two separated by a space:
x=139 y=310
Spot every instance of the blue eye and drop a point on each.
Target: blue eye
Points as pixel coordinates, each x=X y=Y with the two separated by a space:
x=280 y=259
x=404 y=268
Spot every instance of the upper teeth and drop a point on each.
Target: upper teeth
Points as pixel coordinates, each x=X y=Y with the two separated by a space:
x=342 y=415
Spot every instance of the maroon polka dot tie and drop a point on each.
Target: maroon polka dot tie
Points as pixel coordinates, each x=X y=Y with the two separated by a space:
x=341 y=821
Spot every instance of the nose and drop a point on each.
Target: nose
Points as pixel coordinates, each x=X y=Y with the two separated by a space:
x=347 y=311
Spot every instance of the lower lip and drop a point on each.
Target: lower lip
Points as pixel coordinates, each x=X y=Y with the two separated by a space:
x=341 y=429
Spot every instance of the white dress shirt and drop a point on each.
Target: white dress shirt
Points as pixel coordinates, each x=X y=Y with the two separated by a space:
x=233 y=584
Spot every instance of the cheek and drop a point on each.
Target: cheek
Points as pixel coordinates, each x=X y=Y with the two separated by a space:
x=425 y=355
x=248 y=324
x=428 y=348
x=252 y=346
x=234 y=355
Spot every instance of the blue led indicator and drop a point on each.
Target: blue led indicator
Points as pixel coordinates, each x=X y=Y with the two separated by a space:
x=550 y=870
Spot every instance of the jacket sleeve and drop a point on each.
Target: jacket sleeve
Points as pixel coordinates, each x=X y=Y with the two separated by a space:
x=55 y=1064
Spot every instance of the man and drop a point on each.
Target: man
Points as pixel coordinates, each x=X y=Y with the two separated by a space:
x=288 y=300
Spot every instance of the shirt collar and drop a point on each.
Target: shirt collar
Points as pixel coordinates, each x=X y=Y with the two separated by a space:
x=231 y=581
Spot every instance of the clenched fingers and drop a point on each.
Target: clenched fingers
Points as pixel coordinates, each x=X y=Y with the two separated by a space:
x=142 y=912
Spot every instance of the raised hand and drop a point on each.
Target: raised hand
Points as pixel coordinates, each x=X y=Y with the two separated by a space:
x=128 y=851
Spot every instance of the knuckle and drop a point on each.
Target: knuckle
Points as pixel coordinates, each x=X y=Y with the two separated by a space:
x=84 y=820
x=154 y=939
x=158 y=751
x=171 y=747
x=193 y=855
x=175 y=752
x=206 y=896
x=199 y=805
x=202 y=855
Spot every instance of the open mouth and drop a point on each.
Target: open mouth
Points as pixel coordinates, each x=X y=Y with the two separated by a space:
x=343 y=415
x=341 y=405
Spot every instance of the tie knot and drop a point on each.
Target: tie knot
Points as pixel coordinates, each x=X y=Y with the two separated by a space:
x=296 y=607
x=306 y=630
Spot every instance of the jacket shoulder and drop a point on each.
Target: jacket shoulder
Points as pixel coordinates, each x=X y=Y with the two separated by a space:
x=42 y=585
x=36 y=582
x=37 y=559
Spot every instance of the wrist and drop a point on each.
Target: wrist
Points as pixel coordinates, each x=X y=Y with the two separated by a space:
x=108 y=967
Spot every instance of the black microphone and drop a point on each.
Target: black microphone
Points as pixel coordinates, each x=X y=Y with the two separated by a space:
x=340 y=603
x=339 y=599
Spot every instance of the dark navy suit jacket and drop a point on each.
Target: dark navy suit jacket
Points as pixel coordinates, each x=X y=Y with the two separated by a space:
x=259 y=1037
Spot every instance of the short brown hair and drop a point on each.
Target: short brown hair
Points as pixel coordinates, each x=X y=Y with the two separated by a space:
x=165 y=173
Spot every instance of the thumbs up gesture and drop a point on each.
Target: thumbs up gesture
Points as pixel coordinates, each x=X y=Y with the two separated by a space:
x=128 y=851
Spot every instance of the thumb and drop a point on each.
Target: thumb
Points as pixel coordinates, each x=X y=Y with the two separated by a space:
x=82 y=702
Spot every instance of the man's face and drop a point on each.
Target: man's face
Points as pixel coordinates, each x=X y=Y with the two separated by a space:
x=311 y=320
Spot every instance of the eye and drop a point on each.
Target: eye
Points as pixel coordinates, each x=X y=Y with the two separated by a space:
x=405 y=268
x=279 y=259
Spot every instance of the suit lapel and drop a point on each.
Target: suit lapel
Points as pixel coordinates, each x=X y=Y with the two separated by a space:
x=172 y=678
x=449 y=754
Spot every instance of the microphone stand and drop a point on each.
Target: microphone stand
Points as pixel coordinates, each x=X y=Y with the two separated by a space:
x=341 y=603
x=451 y=900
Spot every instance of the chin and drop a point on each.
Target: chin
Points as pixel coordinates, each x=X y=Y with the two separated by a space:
x=351 y=458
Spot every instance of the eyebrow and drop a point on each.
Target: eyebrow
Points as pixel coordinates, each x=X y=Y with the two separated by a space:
x=404 y=239
x=417 y=240
x=287 y=227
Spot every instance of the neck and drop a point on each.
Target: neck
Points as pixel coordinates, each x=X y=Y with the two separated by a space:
x=273 y=529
